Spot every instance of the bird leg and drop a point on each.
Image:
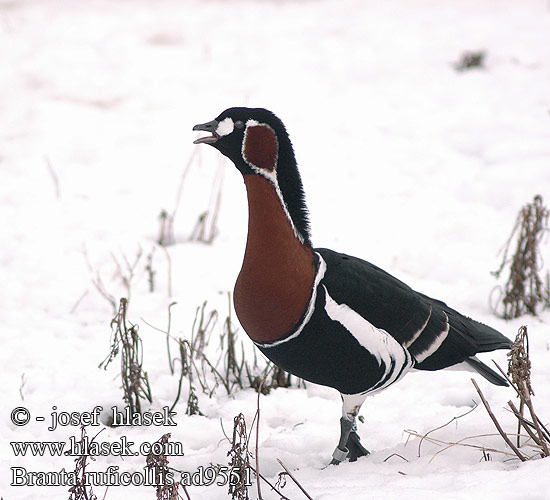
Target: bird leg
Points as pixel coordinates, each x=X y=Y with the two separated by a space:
x=341 y=452
x=349 y=445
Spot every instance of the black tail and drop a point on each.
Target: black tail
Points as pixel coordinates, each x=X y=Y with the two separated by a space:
x=486 y=372
x=485 y=337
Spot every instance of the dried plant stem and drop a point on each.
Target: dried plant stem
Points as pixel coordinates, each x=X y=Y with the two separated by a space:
x=135 y=382
x=239 y=458
x=78 y=491
x=258 y=439
x=23 y=382
x=525 y=289
x=543 y=429
x=157 y=463
x=541 y=441
x=497 y=424
x=77 y=303
x=205 y=227
x=521 y=408
x=217 y=189
x=170 y=362
x=54 y=176
x=186 y=493
x=195 y=152
x=183 y=372
x=294 y=479
x=519 y=369
x=166 y=233
x=449 y=444
x=505 y=375
x=522 y=422
x=454 y=419
x=272 y=486
x=150 y=271
x=169 y=265
x=100 y=287
x=128 y=273
x=395 y=455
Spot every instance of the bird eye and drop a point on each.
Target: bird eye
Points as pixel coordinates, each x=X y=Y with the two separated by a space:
x=239 y=124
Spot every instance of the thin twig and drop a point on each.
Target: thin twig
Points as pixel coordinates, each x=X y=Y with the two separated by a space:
x=257 y=440
x=77 y=303
x=168 y=337
x=273 y=487
x=54 y=176
x=460 y=442
x=541 y=441
x=395 y=455
x=217 y=191
x=497 y=424
x=440 y=442
x=100 y=287
x=294 y=479
x=182 y=373
x=186 y=492
x=539 y=425
x=195 y=152
x=445 y=425
x=169 y=265
x=98 y=283
x=523 y=423
x=505 y=375
x=23 y=382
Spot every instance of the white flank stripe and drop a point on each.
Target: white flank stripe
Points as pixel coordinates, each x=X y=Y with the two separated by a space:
x=434 y=346
x=377 y=341
x=310 y=308
x=420 y=330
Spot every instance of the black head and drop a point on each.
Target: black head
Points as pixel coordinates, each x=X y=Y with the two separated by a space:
x=232 y=134
x=256 y=141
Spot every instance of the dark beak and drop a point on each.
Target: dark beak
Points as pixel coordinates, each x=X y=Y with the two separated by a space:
x=207 y=127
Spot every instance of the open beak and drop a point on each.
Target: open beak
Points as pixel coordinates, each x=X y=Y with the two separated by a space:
x=207 y=127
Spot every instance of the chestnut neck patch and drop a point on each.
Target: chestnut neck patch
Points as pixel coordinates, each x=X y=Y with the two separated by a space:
x=261 y=147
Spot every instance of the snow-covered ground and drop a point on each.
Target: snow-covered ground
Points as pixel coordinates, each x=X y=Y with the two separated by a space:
x=406 y=162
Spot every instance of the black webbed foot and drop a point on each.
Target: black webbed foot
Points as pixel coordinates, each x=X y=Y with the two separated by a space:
x=356 y=449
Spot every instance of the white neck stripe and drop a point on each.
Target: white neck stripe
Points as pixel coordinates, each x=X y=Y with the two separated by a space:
x=271 y=176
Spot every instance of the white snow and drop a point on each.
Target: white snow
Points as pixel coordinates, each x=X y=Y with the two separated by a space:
x=417 y=168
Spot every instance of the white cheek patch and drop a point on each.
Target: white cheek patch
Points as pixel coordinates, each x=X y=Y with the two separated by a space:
x=252 y=123
x=225 y=127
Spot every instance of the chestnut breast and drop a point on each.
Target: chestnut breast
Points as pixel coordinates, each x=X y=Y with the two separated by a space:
x=275 y=284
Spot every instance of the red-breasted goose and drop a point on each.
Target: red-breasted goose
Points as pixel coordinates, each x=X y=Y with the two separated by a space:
x=327 y=317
